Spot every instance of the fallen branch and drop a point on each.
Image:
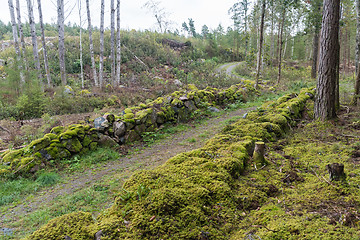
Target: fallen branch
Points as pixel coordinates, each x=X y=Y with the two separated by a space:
x=4 y=129
x=322 y=177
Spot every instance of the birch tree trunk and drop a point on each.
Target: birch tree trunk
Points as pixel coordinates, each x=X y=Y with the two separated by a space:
x=21 y=34
x=118 y=44
x=34 y=39
x=60 y=12
x=91 y=44
x=281 y=43
x=315 y=54
x=101 y=67
x=47 y=70
x=260 y=41
x=15 y=37
x=112 y=42
x=81 y=51
x=325 y=102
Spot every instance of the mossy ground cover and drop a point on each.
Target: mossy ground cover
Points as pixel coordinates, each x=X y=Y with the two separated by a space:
x=305 y=204
x=195 y=194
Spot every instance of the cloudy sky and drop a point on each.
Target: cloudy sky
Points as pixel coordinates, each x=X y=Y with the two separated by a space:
x=133 y=15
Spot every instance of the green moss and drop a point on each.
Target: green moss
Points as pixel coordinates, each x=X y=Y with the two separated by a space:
x=11 y=155
x=129 y=116
x=128 y=110
x=192 y=87
x=39 y=144
x=73 y=225
x=57 y=130
x=73 y=145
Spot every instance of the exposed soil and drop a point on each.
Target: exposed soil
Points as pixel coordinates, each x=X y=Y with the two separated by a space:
x=146 y=158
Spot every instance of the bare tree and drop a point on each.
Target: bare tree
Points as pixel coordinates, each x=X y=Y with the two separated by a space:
x=34 y=39
x=15 y=36
x=260 y=41
x=101 y=65
x=325 y=102
x=118 y=44
x=280 y=40
x=159 y=13
x=61 y=18
x=81 y=50
x=91 y=44
x=112 y=42
x=21 y=32
x=47 y=70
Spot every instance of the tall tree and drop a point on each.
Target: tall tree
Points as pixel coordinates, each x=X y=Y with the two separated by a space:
x=61 y=31
x=34 y=39
x=118 y=44
x=101 y=64
x=263 y=8
x=81 y=49
x=280 y=41
x=159 y=13
x=192 y=30
x=21 y=32
x=15 y=37
x=47 y=70
x=357 y=56
x=112 y=42
x=93 y=66
x=325 y=102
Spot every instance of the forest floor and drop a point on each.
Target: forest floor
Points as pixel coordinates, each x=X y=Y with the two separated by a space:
x=98 y=185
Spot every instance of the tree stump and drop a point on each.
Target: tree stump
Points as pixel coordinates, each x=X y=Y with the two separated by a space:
x=258 y=156
x=336 y=171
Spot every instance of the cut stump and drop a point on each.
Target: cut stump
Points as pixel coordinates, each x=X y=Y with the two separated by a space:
x=336 y=171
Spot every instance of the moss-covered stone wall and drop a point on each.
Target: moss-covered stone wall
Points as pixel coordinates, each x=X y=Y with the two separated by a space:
x=128 y=126
x=194 y=195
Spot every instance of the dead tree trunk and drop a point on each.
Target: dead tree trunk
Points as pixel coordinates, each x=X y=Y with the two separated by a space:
x=21 y=34
x=81 y=50
x=93 y=66
x=101 y=64
x=47 y=70
x=118 y=44
x=34 y=40
x=61 y=18
x=15 y=37
x=112 y=42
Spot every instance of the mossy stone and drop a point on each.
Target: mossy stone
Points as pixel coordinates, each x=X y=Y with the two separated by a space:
x=73 y=145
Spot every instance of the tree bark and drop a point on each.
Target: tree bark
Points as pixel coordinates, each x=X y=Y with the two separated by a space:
x=314 y=66
x=93 y=66
x=259 y=152
x=325 y=103
x=261 y=39
x=357 y=55
x=21 y=34
x=34 y=39
x=81 y=49
x=15 y=37
x=47 y=70
x=118 y=44
x=101 y=65
x=60 y=13
x=281 y=43
x=112 y=52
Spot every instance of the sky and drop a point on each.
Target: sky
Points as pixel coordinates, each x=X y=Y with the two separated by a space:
x=133 y=14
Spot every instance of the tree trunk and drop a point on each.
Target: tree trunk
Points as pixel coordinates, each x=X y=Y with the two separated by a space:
x=315 y=54
x=281 y=43
x=34 y=40
x=118 y=44
x=101 y=65
x=261 y=39
x=325 y=103
x=357 y=59
x=357 y=48
x=21 y=32
x=258 y=155
x=60 y=13
x=81 y=50
x=93 y=66
x=47 y=70
x=15 y=37
x=113 y=67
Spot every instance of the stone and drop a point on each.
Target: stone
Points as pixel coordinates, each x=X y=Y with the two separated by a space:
x=68 y=90
x=183 y=98
x=98 y=123
x=107 y=141
x=132 y=136
x=213 y=109
x=245 y=115
x=140 y=129
x=119 y=129
x=177 y=82
x=190 y=105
